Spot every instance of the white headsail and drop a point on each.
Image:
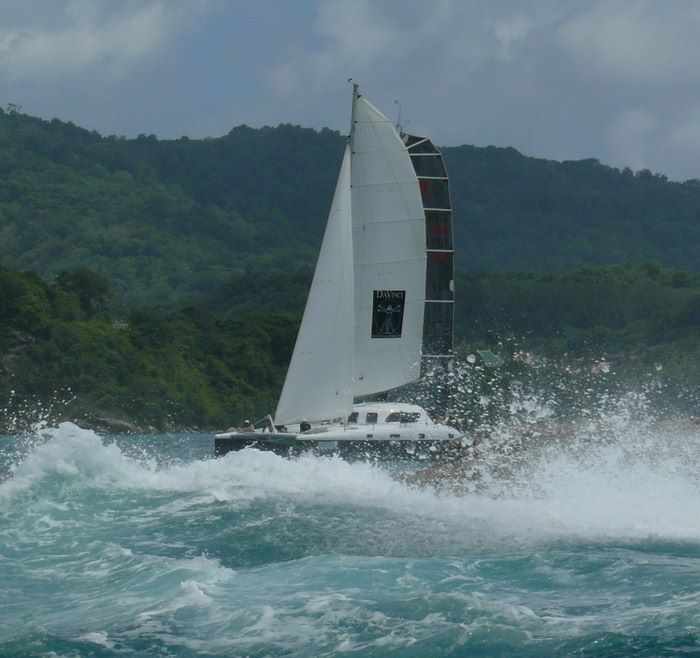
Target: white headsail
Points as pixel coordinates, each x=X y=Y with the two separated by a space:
x=389 y=247
x=319 y=380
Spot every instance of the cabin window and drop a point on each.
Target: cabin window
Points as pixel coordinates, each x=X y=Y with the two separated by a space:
x=438 y=282
x=437 y=329
x=429 y=165
x=435 y=193
x=352 y=418
x=371 y=418
x=403 y=417
x=438 y=230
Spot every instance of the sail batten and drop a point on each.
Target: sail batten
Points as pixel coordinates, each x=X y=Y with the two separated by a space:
x=439 y=285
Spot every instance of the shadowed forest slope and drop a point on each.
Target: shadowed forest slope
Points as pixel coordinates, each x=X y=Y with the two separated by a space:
x=168 y=219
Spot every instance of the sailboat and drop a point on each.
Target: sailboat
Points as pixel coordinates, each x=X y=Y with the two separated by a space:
x=380 y=308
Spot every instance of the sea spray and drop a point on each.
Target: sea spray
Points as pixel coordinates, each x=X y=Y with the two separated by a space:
x=655 y=467
x=581 y=536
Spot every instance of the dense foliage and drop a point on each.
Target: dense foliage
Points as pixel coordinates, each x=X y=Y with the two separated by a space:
x=164 y=220
x=517 y=213
x=212 y=363
x=184 y=367
x=171 y=275
x=643 y=320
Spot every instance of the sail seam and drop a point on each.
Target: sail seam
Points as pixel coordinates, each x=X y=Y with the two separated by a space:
x=388 y=262
x=391 y=221
x=383 y=184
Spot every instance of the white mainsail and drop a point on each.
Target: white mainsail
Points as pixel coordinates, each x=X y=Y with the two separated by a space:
x=362 y=329
x=389 y=251
x=319 y=380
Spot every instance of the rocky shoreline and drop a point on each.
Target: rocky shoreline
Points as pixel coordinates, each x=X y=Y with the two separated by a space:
x=100 y=423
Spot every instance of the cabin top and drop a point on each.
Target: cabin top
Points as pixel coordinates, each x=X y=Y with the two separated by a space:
x=372 y=413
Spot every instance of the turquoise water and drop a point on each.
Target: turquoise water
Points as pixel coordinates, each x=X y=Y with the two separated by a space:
x=148 y=546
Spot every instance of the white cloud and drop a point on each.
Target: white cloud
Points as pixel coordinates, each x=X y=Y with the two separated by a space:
x=358 y=32
x=366 y=39
x=351 y=39
x=512 y=31
x=636 y=40
x=685 y=132
x=85 y=34
x=631 y=137
x=284 y=78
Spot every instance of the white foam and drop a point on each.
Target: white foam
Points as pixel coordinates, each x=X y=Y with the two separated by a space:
x=194 y=594
x=639 y=485
x=97 y=637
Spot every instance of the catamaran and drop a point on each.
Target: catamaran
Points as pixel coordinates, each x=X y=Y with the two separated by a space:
x=380 y=307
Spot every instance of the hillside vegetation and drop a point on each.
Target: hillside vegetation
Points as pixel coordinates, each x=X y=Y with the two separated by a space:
x=166 y=220
x=162 y=282
x=61 y=348
x=211 y=364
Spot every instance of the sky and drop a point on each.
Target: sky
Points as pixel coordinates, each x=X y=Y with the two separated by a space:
x=617 y=80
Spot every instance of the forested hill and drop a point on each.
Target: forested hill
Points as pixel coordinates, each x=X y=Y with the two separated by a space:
x=64 y=353
x=516 y=213
x=168 y=219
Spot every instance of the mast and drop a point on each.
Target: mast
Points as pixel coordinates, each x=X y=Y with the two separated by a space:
x=355 y=95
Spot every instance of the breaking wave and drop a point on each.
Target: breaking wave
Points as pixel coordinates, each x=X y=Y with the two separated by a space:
x=546 y=538
x=625 y=479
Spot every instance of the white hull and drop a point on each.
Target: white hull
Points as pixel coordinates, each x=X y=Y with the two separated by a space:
x=385 y=432
x=419 y=437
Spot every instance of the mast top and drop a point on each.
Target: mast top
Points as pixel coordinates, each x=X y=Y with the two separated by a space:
x=355 y=95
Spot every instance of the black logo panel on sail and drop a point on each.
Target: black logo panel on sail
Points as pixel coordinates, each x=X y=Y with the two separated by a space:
x=387 y=313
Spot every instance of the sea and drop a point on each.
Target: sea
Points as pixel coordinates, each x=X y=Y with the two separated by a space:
x=585 y=543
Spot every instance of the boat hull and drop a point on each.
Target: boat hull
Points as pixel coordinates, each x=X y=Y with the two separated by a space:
x=291 y=445
x=281 y=444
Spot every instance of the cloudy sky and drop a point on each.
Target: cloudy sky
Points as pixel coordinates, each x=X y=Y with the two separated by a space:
x=618 y=80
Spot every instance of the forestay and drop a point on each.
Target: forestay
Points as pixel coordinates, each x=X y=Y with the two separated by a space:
x=319 y=380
